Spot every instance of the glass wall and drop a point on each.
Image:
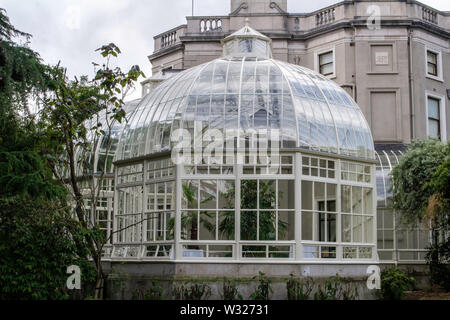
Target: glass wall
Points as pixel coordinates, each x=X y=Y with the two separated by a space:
x=296 y=207
x=396 y=242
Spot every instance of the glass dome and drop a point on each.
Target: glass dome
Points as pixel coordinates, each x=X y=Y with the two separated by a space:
x=313 y=200
x=297 y=106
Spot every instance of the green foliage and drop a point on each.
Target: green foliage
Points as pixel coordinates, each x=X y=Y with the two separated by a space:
x=336 y=289
x=154 y=293
x=263 y=290
x=37 y=246
x=394 y=283
x=438 y=260
x=230 y=290
x=299 y=289
x=411 y=178
x=192 y=291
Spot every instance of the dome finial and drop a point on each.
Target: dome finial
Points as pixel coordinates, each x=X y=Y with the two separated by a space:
x=247 y=22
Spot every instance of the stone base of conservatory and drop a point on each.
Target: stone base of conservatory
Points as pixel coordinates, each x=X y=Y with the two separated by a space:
x=130 y=280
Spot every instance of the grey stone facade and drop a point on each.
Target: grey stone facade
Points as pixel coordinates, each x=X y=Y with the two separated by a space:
x=384 y=67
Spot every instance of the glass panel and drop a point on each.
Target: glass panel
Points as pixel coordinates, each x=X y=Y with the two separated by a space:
x=433 y=108
x=356 y=199
x=226 y=225
x=267 y=226
x=346 y=228
x=286 y=194
x=248 y=225
x=357 y=228
x=307 y=195
x=307 y=226
x=433 y=128
x=249 y=194
x=346 y=199
x=189 y=224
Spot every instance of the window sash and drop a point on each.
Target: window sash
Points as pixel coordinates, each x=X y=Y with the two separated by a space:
x=326 y=63
x=432 y=63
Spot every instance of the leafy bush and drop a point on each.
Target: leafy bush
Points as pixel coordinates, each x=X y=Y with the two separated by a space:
x=263 y=290
x=38 y=241
x=230 y=291
x=192 y=291
x=336 y=289
x=297 y=289
x=394 y=283
x=438 y=260
x=154 y=293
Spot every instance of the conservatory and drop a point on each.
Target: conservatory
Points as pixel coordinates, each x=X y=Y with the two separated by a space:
x=245 y=158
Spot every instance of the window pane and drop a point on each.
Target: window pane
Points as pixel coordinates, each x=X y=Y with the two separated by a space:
x=307 y=226
x=286 y=226
x=432 y=69
x=368 y=201
x=346 y=228
x=286 y=192
x=267 y=194
x=433 y=108
x=432 y=57
x=345 y=199
x=307 y=195
x=226 y=225
x=356 y=200
x=248 y=225
x=326 y=69
x=249 y=194
x=433 y=128
x=326 y=58
x=267 y=226
x=357 y=228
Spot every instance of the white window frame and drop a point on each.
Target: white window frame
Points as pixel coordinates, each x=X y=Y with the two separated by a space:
x=317 y=64
x=440 y=76
x=442 y=116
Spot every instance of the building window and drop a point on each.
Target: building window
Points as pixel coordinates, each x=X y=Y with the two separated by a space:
x=326 y=63
x=432 y=63
x=434 y=118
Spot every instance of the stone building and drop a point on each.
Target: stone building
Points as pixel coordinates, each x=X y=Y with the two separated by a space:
x=395 y=67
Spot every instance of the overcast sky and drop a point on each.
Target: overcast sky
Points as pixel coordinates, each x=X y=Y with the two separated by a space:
x=58 y=35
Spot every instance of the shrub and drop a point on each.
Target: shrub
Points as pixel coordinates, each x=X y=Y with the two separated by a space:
x=192 y=291
x=438 y=260
x=154 y=293
x=230 y=291
x=263 y=290
x=297 y=289
x=336 y=289
x=394 y=283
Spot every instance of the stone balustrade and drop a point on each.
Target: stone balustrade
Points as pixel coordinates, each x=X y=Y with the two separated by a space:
x=325 y=16
x=210 y=25
x=429 y=15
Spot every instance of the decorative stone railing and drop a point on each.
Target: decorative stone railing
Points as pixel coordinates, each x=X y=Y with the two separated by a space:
x=210 y=25
x=429 y=15
x=168 y=39
x=325 y=16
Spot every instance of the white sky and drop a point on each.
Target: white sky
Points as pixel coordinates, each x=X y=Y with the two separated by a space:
x=130 y=24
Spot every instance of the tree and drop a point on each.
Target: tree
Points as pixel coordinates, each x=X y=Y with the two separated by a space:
x=413 y=189
x=38 y=238
x=421 y=194
x=79 y=115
